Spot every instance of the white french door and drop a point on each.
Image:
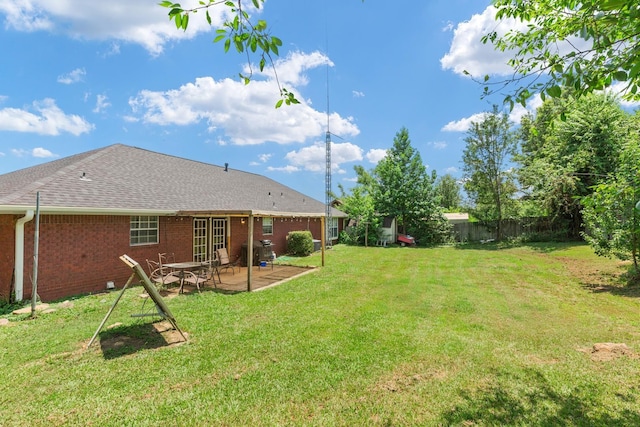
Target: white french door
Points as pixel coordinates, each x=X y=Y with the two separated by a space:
x=209 y=234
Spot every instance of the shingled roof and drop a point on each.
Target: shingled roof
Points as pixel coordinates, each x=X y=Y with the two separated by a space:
x=124 y=179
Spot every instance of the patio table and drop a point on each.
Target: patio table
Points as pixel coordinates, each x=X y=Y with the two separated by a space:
x=181 y=267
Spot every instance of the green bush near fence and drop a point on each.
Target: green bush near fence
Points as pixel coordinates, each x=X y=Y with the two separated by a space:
x=300 y=243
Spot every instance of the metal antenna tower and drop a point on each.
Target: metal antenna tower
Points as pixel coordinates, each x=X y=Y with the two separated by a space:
x=327 y=177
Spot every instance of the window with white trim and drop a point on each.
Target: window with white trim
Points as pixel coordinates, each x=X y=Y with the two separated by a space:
x=143 y=230
x=333 y=228
x=267 y=225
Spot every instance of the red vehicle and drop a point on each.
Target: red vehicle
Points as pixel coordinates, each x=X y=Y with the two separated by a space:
x=405 y=239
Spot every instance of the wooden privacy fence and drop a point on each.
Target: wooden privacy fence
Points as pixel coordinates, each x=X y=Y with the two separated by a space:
x=476 y=231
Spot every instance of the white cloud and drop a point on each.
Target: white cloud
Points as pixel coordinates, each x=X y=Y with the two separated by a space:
x=101 y=103
x=518 y=112
x=264 y=158
x=462 y=125
x=619 y=89
x=48 y=120
x=515 y=116
x=42 y=153
x=467 y=52
x=448 y=26
x=74 y=76
x=291 y=69
x=451 y=170
x=438 y=145
x=140 y=22
x=313 y=158
x=19 y=152
x=357 y=94
x=38 y=152
x=246 y=113
x=287 y=169
x=375 y=155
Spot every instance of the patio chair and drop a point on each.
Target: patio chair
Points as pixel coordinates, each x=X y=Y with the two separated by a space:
x=193 y=279
x=160 y=276
x=225 y=263
x=210 y=269
x=165 y=258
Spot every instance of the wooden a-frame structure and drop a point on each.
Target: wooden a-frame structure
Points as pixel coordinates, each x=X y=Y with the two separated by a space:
x=162 y=309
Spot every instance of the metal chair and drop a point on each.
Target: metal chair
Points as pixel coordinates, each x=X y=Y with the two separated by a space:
x=224 y=261
x=165 y=258
x=193 y=279
x=160 y=276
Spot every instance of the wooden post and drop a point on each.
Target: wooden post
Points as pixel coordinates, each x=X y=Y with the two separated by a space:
x=322 y=239
x=250 y=252
x=36 y=240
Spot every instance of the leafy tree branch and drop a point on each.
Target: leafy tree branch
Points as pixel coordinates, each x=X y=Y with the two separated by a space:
x=584 y=45
x=240 y=32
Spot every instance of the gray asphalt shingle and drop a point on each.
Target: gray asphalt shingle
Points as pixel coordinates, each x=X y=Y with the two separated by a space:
x=121 y=177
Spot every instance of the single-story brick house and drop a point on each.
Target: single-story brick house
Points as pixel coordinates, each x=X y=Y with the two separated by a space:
x=101 y=204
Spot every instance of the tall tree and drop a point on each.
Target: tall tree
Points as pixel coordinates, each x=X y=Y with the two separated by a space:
x=448 y=191
x=611 y=217
x=585 y=45
x=360 y=207
x=491 y=188
x=405 y=191
x=561 y=160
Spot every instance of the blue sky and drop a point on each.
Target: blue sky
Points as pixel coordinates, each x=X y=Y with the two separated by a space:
x=78 y=75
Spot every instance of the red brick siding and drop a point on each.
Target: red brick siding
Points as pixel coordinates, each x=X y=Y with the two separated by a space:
x=281 y=227
x=7 y=249
x=80 y=253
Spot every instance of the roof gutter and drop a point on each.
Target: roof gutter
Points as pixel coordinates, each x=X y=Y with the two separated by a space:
x=19 y=254
x=50 y=210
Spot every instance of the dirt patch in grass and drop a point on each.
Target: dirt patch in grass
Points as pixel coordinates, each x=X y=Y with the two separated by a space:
x=612 y=277
x=118 y=340
x=605 y=352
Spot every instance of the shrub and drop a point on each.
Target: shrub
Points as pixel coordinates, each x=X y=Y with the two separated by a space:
x=300 y=243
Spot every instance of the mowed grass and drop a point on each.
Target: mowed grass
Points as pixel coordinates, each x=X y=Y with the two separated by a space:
x=470 y=335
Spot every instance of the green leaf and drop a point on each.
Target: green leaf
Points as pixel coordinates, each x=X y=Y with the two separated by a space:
x=218 y=38
x=554 y=91
x=279 y=103
x=185 y=21
x=620 y=76
x=208 y=17
x=635 y=71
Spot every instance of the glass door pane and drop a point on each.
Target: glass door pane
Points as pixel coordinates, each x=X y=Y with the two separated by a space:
x=200 y=239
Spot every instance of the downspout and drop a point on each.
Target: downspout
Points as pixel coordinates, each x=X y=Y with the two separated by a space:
x=19 y=254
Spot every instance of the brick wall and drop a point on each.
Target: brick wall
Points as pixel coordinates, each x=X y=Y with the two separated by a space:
x=79 y=253
x=7 y=249
x=281 y=227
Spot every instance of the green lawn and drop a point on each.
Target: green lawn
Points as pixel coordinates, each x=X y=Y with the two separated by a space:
x=471 y=335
